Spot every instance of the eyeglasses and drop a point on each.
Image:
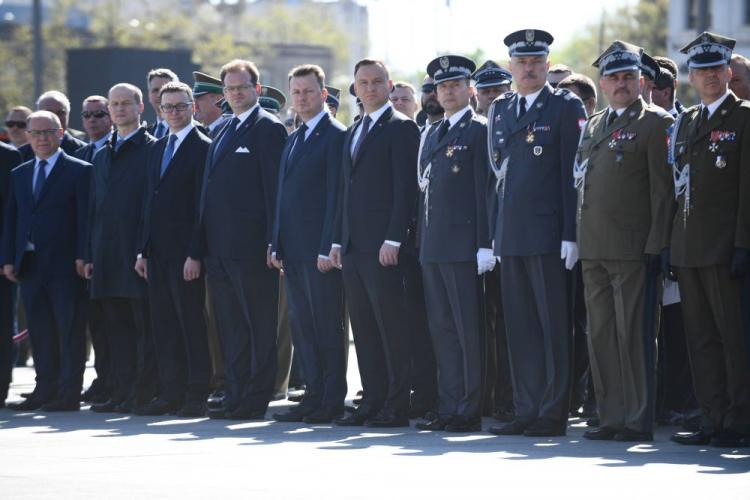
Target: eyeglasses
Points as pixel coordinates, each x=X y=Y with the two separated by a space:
x=43 y=133
x=93 y=114
x=179 y=107
x=15 y=124
x=237 y=88
x=428 y=88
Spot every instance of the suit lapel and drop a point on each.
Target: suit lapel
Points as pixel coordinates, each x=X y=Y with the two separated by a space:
x=717 y=118
x=373 y=132
x=178 y=157
x=532 y=114
x=242 y=131
x=306 y=146
x=631 y=112
x=455 y=131
x=57 y=171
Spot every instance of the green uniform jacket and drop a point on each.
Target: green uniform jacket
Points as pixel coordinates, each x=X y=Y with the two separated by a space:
x=625 y=204
x=718 y=155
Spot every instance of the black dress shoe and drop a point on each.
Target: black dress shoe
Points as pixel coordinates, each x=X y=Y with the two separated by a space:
x=125 y=406
x=216 y=399
x=157 y=407
x=503 y=415
x=106 y=407
x=698 y=438
x=461 y=423
x=216 y=413
x=631 y=435
x=193 y=408
x=513 y=428
x=727 y=438
x=62 y=405
x=354 y=419
x=358 y=398
x=593 y=422
x=296 y=414
x=322 y=416
x=30 y=404
x=601 y=434
x=546 y=427
x=245 y=414
x=385 y=419
x=434 y=424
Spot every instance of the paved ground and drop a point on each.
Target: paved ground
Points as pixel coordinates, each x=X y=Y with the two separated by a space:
x=88 y=455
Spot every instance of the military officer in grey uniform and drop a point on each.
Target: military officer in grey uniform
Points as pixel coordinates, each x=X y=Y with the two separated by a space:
x=533 y=134
x=454 y=244
x=624 y=200
x=710 y=246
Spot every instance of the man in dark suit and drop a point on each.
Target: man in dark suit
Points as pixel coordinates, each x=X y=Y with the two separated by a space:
x=533 y=134
x=97 y=124
x=710 y=242
x=155 y=80
x=170 y=259
x=236 y=219
x=10 y=158
x=42 y=248
x=377 y=198
x=454 y=244
x=115 y=209
x=57 y=103
x=302 y=233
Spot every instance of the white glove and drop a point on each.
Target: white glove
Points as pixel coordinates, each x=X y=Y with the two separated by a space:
x=569 y=253
x=485 y=260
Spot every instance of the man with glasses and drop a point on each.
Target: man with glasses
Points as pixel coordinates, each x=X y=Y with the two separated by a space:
x=431 y=111
x=115 y=211
x=43 y=243
x=170 y=259
x=97 y=124
x=57 y=103
x=236 y=219
x=15 y=125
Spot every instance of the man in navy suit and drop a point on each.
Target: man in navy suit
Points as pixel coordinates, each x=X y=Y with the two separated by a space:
x=236 y=218
x=10 y=158
x=170 y=259
x=42 y=249
x=377 y=198
x=302 y=232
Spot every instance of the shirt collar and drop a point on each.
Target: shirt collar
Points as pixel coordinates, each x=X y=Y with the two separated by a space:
x=619 y=111
x=530 y=98
x=216 y=123
x=51 y=160
x=455 y=117
x=182 y=134
x=131 y=134
x=101 y=142
x=375 y=116
x=715 y=105
x=673 y=111
x=313 y=122
x=243 y=116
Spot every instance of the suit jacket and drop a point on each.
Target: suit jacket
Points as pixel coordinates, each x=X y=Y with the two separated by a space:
x=239 y=190
x=56 y=223
x=69 y=145
x=625 y=204
x=118 y=182
x=454 y=225
x=307 y=192
x=536 y=209
x=379 y=186
x=717 y=152
x=10 y=158
x=170 y=214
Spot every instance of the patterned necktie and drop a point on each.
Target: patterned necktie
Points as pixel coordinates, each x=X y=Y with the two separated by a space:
x=362 y=134
x=41 y=178
x=521 y=107
x=168 y=153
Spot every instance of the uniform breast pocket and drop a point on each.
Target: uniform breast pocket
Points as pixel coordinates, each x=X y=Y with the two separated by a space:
x=542 y=146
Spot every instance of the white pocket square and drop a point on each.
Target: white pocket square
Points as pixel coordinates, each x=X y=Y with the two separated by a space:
x=242 y=149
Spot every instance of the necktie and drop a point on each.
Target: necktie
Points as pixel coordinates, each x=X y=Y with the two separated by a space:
x=168 y=153
x=298 y=141
x=227 y=137
x=41 y=178
x=362 y=133
x=611 y=117
x=160 y=130
x=443 y=129
x=521 y=107
x=703 y=117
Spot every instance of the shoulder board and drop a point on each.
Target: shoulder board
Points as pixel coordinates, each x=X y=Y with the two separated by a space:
x=506 y=95
x=744 y=103
x=480 y=119
x=566 y=94
x=657 y=110
x=692 y=109
x=599 y=113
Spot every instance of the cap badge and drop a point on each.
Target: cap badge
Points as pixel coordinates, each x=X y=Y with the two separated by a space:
x=529 y=36
x=445 y=63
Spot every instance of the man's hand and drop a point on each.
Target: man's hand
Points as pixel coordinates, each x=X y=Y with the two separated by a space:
x=79 y=268
x=324 y=265
x=88 y=270
x=388 y=255
x=9 y=270
x=277 y=263
x=269 y=264
x=141 y=268
x=485 y=260
x=335 y=256
x=569 y=253
x=191 y=270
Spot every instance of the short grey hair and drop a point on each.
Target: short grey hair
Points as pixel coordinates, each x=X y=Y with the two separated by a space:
x=57 y=96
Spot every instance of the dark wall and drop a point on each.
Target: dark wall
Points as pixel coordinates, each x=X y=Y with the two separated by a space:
x=94 y=71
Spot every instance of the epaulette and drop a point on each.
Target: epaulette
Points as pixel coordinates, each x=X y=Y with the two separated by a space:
x=744 y=103
x=506 y=95
x=692 y=109
x=566 y=94
x=657 y=110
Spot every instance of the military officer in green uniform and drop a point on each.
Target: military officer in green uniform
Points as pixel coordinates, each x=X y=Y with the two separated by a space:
x=710 y=247
x=624 y=200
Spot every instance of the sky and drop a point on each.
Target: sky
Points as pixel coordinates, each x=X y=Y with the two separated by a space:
x=407 y=34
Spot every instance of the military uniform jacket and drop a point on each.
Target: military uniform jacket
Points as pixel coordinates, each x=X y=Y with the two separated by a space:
x=718 y=155
x=453 y=224
x=624 y=204
x=536 y=207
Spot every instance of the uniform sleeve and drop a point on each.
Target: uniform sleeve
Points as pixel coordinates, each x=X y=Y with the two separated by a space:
x=574 y=117
x=742 y=232
x=481 y=174
x=660 y=185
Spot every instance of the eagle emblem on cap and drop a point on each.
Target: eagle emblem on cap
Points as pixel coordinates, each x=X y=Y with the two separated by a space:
x=445 y=62
x=705 y=38
x=529 y=36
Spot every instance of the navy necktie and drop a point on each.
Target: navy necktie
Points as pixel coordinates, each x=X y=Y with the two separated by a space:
x=362 y=134
x=168 y=153
x=227 y=137
x=298 y=142
x=159 y=131
x=41 y=178
x=443 y=129
x=521 y=107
